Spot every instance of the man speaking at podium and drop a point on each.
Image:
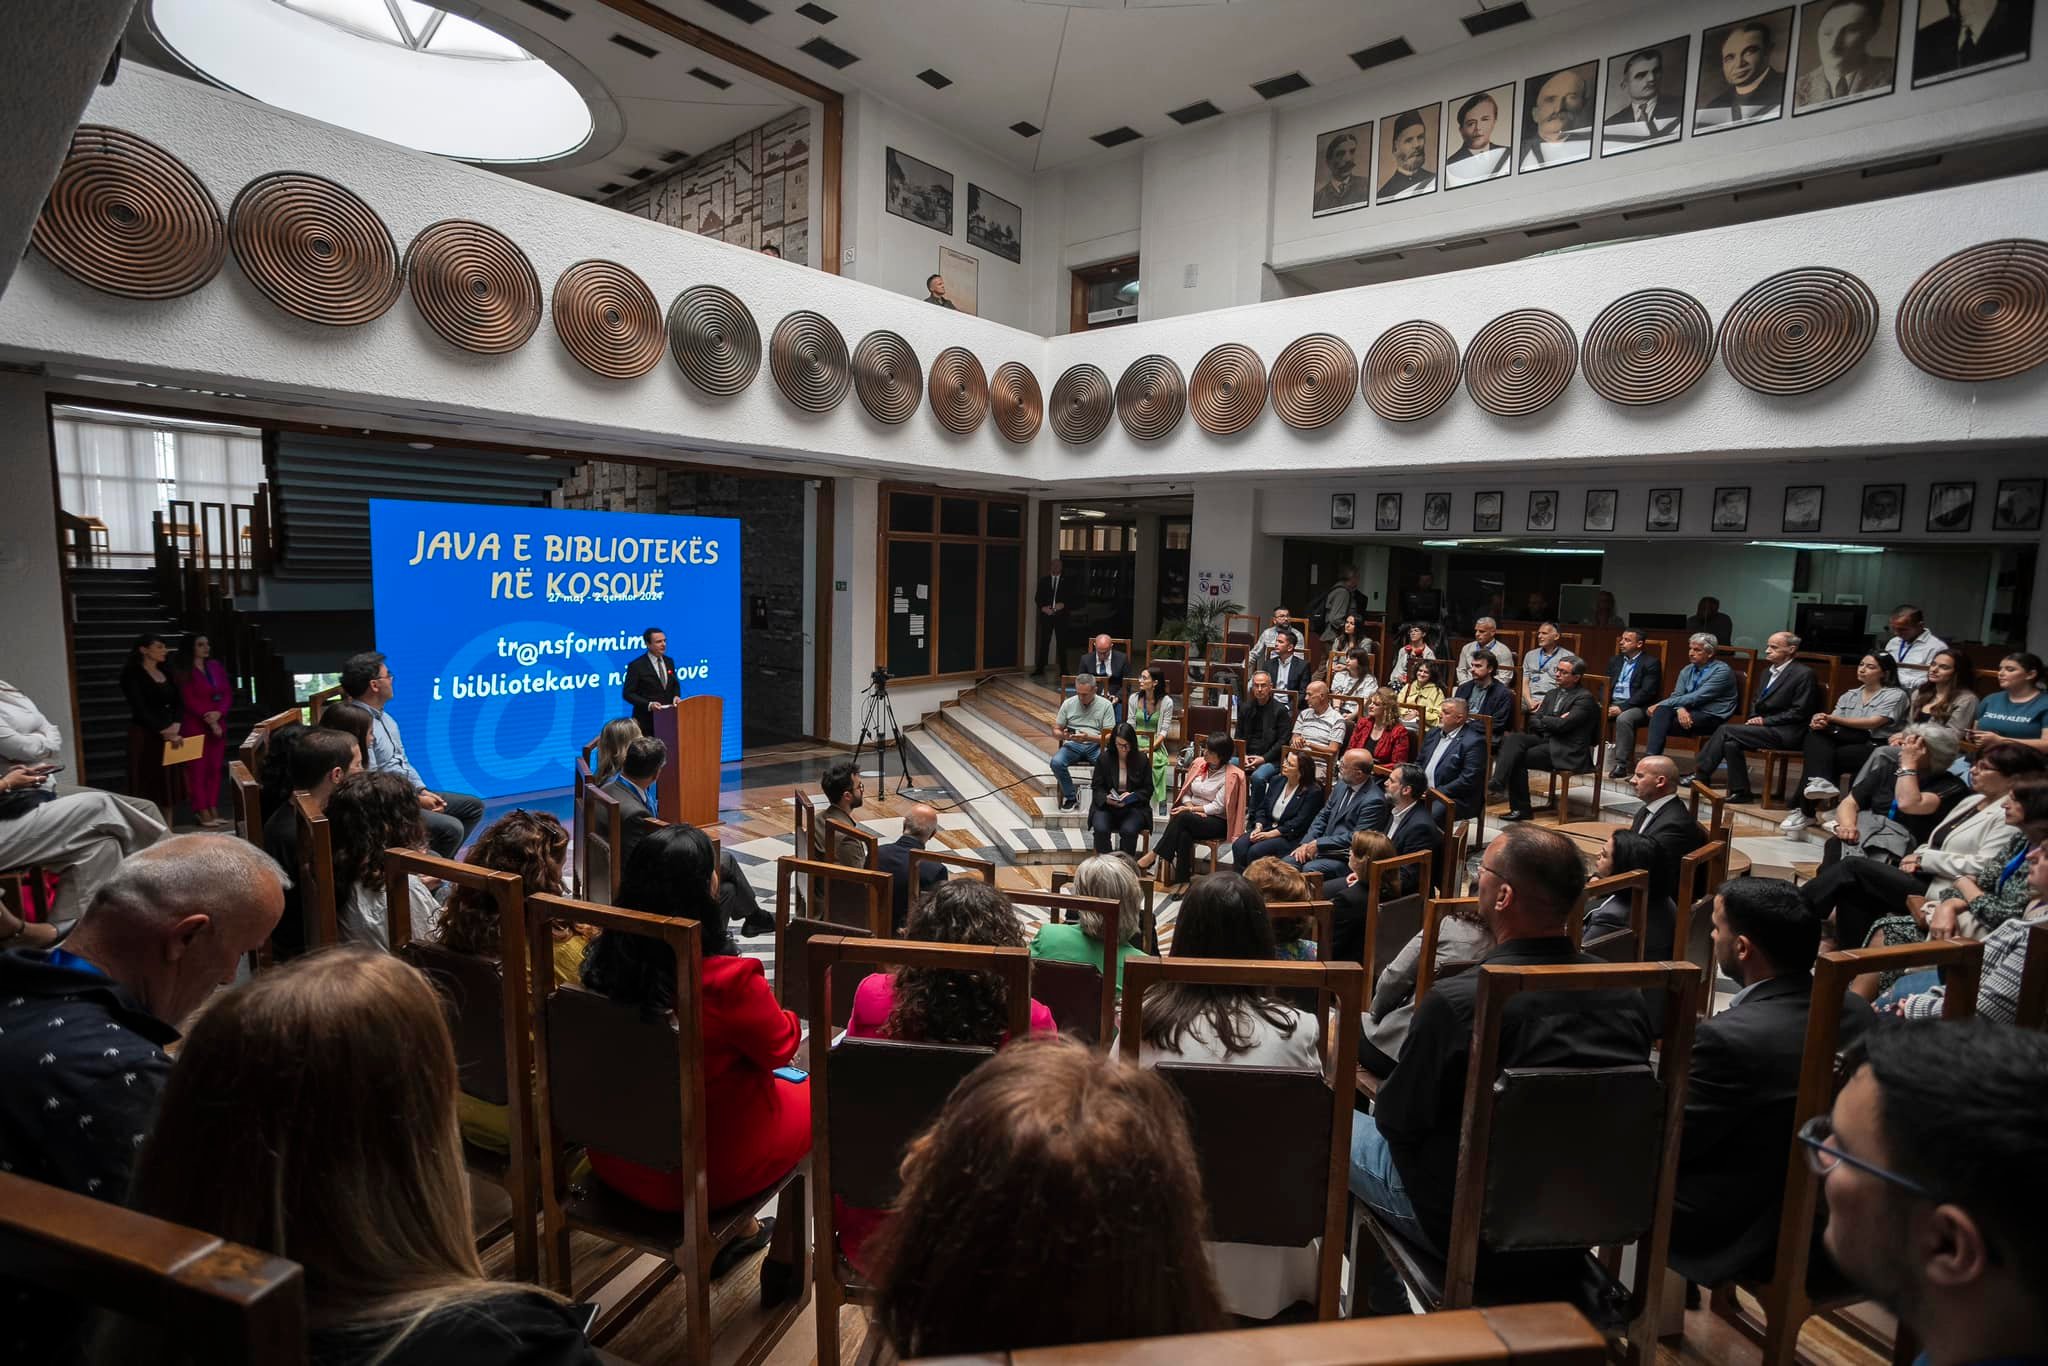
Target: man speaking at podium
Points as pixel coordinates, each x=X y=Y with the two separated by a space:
x=651 y=680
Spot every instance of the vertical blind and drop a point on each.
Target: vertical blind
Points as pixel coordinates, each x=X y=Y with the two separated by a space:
x=122 y=472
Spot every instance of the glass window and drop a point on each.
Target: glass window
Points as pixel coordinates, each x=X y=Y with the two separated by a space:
x=910 y=512
x=1006 y=519
x=960 y=516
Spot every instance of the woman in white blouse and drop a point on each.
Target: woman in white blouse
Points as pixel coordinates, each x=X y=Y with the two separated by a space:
x=371 y=813
x=1351 y=680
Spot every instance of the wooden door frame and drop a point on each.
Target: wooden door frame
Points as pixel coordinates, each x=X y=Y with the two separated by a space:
x=1077 y=316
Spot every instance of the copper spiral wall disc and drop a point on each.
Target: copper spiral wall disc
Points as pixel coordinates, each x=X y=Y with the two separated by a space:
x=1019 y=407
x=958 y=389
x=1411 y=371
x=1151 y=397
x=1648 y=346
x=1798 y=331
x=607 y=318
x=315 y=250
x=474 y=286
x=808 y=359
x=1228 y=391
x=1314 y=380
x=128 y=218
x=714 y=340
x=887 y=377
x=1080 y=404
x=1980 y=314
x=1520 y=362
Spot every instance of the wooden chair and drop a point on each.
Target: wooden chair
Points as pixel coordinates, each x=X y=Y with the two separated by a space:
x=1390 y=922
x=488 y=1005
x=1717 y=809
x=319 y=898
x=1561 y=803
x=1386 y=942
x=1082 y=999
x=1788 y=1298
x=258 y=740
x=871 y=1097
x=1617 y=946
x=208 y=1299
x=1700 y=873
x=1778 y=762
x=1525 y=1180
x=599 y=840
x=2032 y=1012
x=973 y=867
x=854 y=902
x=248 y=801
x=607 y=1077
x=1168 y=661
x=1297 y=1121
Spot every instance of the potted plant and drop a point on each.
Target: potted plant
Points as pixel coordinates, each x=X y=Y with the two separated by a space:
x=1202 y=625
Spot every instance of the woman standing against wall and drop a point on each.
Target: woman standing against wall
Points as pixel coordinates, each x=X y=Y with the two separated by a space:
x=206 y=694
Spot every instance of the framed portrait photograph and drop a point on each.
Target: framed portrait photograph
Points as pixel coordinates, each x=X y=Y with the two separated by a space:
x=1600 y=509
x=1557 y=117
x=1742 y=72
x=962 y=274
x=1731 y=509
x=1410 y=144
x=1486 y=511
x=1343 y=511
x=1646 y=96
x=1951 y=507
x=1884 y=508
x=1661 y=514
x=2000 y=37
x=1343 y=170
x=1543 y=510
x=1802 y=507
x=1483 y=126
x=919 y=191
x=1386 y=512
x=1436 y=512
x=2018 y=507
x=994 y=224
x=1848 y=51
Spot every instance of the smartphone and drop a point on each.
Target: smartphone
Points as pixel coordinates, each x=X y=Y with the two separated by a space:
x=48 y=770
x=792 y=1074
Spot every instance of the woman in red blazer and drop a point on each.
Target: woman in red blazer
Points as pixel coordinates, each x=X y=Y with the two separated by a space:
x=1379 y=729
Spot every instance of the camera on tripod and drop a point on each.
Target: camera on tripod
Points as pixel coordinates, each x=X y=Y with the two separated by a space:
x=878 y=681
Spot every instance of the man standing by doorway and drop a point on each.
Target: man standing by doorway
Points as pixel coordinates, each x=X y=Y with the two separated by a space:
x=1055 y=601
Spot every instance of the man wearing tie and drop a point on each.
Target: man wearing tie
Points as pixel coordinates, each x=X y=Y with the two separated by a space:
x=1107 y=664
x=1638 y=680
x=1452 y=757
x=1784 y=705
x=1353 y=805
x=651 y=680
x=1665 y=822
x=1560 y=737
x=1912 y=645
x=1707 y=695
x=1647 y=113
x=1409 y=823
x=1055 y=607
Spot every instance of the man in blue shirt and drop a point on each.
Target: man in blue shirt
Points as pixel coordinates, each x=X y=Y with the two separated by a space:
x=449 y=816
x=1638 y=679
x=1704 y=697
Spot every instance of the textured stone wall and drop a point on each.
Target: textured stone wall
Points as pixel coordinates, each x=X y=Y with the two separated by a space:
x=754 y=191
x=607 y=486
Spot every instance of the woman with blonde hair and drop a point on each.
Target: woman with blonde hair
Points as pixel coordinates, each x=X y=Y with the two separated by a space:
x=1114 y=877
x=1380 y=732
x=611 y=742
x=312 y=1115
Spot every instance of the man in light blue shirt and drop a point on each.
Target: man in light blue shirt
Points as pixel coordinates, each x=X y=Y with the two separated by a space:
x=449 y=816
x=1705 y=695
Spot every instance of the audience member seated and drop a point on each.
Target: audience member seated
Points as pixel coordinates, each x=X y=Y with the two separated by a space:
x=894 y=859
x=1705 y=696
x=1744 y=1082
x=1664 y=820
x=1120 y=798
x=1280 y=817
x=1106 y=665
x=1539 y=665
x=1485 y=642
x=1921 y=996
x=1463 y=936
x=312 y=1116
x=1283 y=624
x=1626 y=852
x=1321 y=728
x=1562 y=732
x=633 y=788
x=275 y=780
x=759 y=1124
x=1210 y=807
x=1410 y=823
x=1912 y=645
x=368 y=814
x=1352 y=680
x=1452 y=757
x=1354 y=804
x=1925 y=1211
x=1786 y=705
x=1280 y=883
x=354 y=720
x=1347 y=896
x=1188 y=1022
x=1841 y=740
x=1708 y=618
x=1890 y=824
x=1265 y=725
x=1056 y=1200
x=1345 y=632
x=612 y=740
x=1423 y=692
x=1404 y=1155
x=1635 y=680
x=1079 y=724
x=1381 y=731
x=1152 y=713
x=1943 y=700
x=1413 y=650
x=1483 y=694
x=844 y=791
x=320 y=760
x=1113 y=877
x=1281 y=662
x=2019 y=710
x=450 y=816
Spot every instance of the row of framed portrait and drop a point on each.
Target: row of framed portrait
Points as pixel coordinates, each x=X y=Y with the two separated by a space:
x=1951 y=507
x=923 y=193
x=1822 y=54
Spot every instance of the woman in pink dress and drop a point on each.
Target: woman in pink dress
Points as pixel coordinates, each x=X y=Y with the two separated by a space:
x=207 y=695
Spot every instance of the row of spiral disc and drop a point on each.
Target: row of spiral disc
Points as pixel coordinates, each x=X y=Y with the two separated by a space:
x=128 y=218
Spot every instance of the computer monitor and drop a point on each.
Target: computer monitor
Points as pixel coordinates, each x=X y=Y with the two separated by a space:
x=1830 y=627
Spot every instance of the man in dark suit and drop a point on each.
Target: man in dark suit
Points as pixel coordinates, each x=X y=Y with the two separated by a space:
x=1785 y=701
x=1972 y=35
x=1561 y=734
x=651 y=680
x=1354 y=804
x=1108 y=664
x=1452 y=758
x=1410 y=824
x=1282 y=663
x=918 y=828
x=1744 y=1079
x=639 y=815
x=1637 y=681
x=1645 y=112
x=1665 y=821
x=1057 y=593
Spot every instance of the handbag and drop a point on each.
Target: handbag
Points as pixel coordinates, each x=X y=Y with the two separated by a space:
x=1881 y=838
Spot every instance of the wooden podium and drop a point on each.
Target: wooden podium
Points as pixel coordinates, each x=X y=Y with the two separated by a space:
x=687 y=789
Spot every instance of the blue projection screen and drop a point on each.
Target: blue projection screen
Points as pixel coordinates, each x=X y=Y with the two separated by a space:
x=508 y=630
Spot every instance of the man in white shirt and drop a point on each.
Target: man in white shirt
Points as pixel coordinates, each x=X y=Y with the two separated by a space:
x=1321 y=727
x=449 y=816
x=1484 y=641
x=1666 y=822
x=1912 y=645
x=1283 y=624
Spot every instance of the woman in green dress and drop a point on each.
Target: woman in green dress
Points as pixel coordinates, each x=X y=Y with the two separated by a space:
x=1151 y=714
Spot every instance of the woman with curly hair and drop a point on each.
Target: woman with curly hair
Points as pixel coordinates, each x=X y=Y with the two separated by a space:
x=368 y=814
x=611 y=742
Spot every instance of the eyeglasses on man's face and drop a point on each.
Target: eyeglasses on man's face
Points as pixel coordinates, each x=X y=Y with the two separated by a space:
x=1824 y=1157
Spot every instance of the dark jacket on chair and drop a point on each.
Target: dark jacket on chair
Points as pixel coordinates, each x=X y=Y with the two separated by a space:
x=1265 y=729
x=1418 y=831
x=894 y=858
x=635 y=819
x=1676 y=834
x=1569 y=719
x=1645 y=683
x=1294 y=822
x=1789 y=703
x=644 y=688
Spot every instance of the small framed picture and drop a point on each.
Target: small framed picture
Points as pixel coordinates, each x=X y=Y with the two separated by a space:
x=1884 y=508
x=1731 y=509
x=1848 y=51
x=1386 y=512
x=1543 y=510
x=1486 y=511
x=1802 y=507
x=1662 y=513
x=1946 y=46
x=1742 y=73
x=1343 y=511
x=1436 y=511
x=1600 y=509
x=2019 y=505
x=1951 y=507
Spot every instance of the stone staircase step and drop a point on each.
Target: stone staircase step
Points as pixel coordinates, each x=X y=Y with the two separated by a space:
x=983 y=770
x=988 y=731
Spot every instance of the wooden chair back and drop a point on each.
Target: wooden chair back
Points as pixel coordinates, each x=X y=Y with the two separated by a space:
x=2032 y=1012
x=966 y=863
x=1298 y=1121
x=1391 y=921
x=1826 y=669
x=855 y=902
x=319 y=898
x=579 y=848
x=210 y=1300
x=1204 y=721
x=1700 y=873
x=1168 y=661
x=600 y=840
x=1742 y=660
x=248 y=801
x=1433 y=912
x=1082 y=999
x=258 y=740
x=1717 y=809
x=1616 y=946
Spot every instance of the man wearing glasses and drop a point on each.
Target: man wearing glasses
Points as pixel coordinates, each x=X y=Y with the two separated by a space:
x=449 y=816
x=1744 y=1082
x=1930 y=1167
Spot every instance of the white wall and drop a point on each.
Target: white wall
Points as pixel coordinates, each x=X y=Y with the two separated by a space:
x=32 y=654
x=1204 y=219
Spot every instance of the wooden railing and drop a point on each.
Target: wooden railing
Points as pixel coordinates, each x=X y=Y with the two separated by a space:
x=200 y=566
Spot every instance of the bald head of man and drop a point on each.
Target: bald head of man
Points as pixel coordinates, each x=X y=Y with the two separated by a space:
x=1656 y=776
x=923 y=822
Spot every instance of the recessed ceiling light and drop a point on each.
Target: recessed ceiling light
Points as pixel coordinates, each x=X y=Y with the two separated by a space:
x=937 y=80
x=671 y=158
x=1379 y=54
x=1024 y=129
x=1492 y=20
x=830 y=53
x=640 y=173
x=746 y=11
x=1117 y=137
x=817 y=14
x=1193 y=113
x=612 y=187
x=421 y=445
x=716 y=82
x=545 y=8
x=1274 y=88
x=627 y=43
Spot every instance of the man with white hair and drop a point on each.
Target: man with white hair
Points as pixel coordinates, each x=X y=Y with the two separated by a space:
x=894 y=859
x=1485 y=642
x=1705 y=695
